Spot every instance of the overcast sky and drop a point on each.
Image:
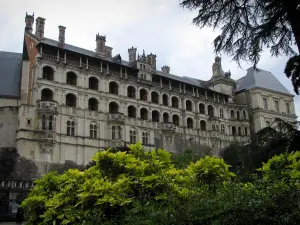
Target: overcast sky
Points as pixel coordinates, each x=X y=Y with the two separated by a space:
x=158 y=26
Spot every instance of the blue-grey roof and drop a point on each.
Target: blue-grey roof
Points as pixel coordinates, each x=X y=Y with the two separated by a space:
x=260 y=78
x=10 y=74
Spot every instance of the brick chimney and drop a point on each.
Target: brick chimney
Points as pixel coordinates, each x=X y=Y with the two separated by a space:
x=29 y=20
x=132 y=54
x=165 y=69
x=40 y=27
x=100 y=44
x=61 y=36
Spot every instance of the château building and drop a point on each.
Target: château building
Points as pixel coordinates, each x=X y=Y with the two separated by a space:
x=61 y=102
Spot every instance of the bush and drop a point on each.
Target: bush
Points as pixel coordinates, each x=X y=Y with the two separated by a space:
x=140 y=187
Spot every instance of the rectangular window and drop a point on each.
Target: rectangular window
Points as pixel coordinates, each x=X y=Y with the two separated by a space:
x=141 y=66
x=287 y=106
x=276 y=106
x=28 y=122
x=265 y=102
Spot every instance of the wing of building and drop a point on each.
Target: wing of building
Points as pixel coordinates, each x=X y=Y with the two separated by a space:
x=72 y=102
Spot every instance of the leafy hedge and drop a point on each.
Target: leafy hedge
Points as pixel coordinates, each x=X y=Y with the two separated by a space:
x=140 y=187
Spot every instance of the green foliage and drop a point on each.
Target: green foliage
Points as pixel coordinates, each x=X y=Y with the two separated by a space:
x=140 y=187
x=182 y=160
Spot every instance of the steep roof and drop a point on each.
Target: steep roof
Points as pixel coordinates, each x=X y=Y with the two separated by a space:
x=260 y=78
x=10 y=74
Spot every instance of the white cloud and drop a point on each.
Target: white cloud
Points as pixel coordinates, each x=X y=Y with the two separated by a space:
x=161 y=27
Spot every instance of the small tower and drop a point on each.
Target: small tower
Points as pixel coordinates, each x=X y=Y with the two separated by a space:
x=29 y=20
x=132 y=54
x=217 y=68
x=100 y=44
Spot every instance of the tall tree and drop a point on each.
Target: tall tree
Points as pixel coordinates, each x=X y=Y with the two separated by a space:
x=247 y=26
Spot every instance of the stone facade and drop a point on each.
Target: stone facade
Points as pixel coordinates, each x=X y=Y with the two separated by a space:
x=76 y=102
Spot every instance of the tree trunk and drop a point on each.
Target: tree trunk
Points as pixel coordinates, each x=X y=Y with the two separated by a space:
x=294 y=17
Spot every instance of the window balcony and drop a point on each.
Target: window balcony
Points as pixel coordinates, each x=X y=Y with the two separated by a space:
x=47 y=106
x=46 y=135
x=115 y=117
x=167 y=127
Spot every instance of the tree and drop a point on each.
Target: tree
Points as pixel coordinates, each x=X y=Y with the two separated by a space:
x=249 y=25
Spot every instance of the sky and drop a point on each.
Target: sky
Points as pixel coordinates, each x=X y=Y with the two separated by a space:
x=160 y=27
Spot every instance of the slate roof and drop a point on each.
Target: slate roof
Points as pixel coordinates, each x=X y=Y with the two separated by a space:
x=89 y=53
x=260 y=78
x=10 y=74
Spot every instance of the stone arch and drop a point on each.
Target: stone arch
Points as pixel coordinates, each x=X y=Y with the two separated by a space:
x=131 y=91
x=175 y=101
x=47 y=94
x=203 y=125
x=202 y=108
x=144 y=114
x=165 y=99
x=210 y=110
x=131 y=111
x=93 y=104
x=176 y=119
x=113 y=107
x=71 y=78
x=155 y=97
x=166 y=117
x=114 y=87
x=48 y=73
x=189 y=105
x=155 y=116
x=143 y=94
x=71 y=100
x=190 y=123
x=93 y=83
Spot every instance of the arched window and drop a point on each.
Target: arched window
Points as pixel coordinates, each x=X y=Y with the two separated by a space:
x=232 y=116
x=165 y=100
x=166 y=117
x=144 y=114
x=203 y=125
x=46 y=95
x=238 y=115
x=175 y=120
x=132 y=135
x=239 y=131
x=70 y=128
x=190 y=123
x=93 y=104
x=145 y=138
x=175 y=102
x=93 y=131
x=93 y=83
x=213 y=127
x=48 y=73
x=71 y=78
x=210 y=110
x=233 y=131
x=143 y=95
x=131 y=111
x=155 y=116
x=221 y=113
x=222 y=128
x=154 y=97
x=113 y=88
x=188 y=105
x=113 y=107
x=71 y=100
x=246 y=131
x=202 y=108
x=244 y=115
x=50 y=124
x=131 y=92
x=217 y=127
x=44 y=120
x=113 y=133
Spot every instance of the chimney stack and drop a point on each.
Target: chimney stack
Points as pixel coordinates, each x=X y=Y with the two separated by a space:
x=165 y=69
x=61 y=37
x=132 y=54
x=108 y=51
x=152 y=60
x=29 y=20
x=40 y=27
x=100 y=44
